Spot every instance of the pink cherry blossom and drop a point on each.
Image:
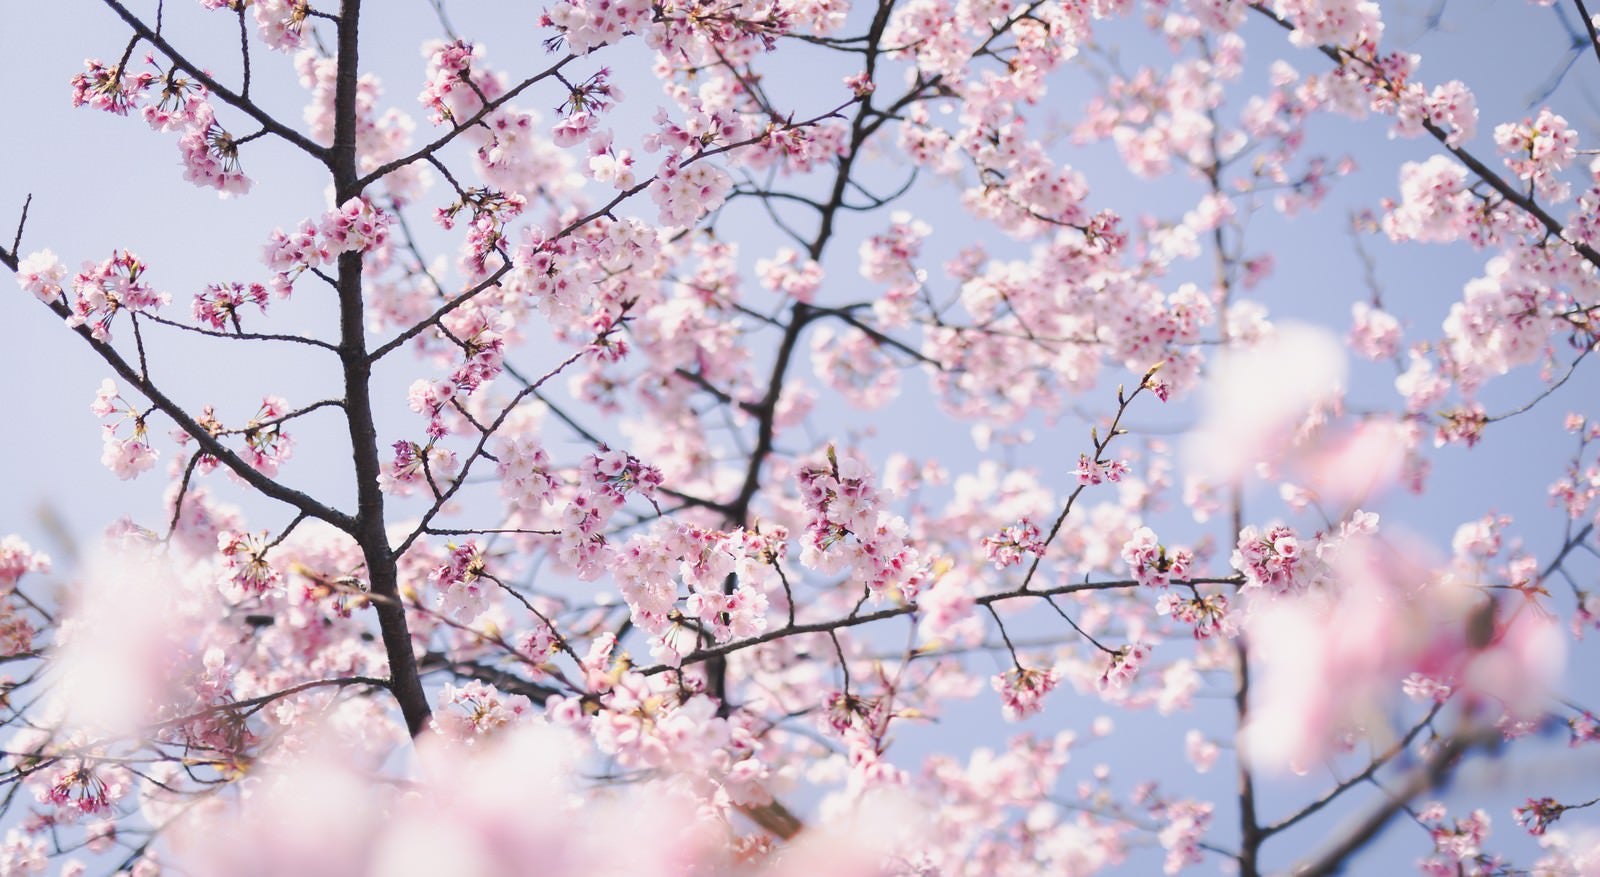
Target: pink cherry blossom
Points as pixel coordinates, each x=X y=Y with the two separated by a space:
x=41 y=274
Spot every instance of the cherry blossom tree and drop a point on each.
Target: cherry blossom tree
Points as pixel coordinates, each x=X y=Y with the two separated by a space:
x=683 y=436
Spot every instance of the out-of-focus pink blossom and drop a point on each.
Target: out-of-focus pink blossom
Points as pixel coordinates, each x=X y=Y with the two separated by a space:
x=1258 y=398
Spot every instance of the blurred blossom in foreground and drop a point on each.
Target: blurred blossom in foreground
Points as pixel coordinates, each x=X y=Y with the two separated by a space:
x=1258 y=399
x=126 y=646
x=510 y=804
x=1335 y=659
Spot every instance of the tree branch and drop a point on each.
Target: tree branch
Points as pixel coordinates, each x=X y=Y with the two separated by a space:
x=207 y=442
x=228 y=96
x=1427 y=776
x=369 y=530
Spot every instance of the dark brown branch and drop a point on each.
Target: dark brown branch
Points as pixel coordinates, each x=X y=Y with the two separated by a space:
x=1588 y=24
x=284 y=418
x=240 y=336
x=1250 y=832
x=1100 y=445
x=369 y=528
x=908 y=609
x=244 y=52
x=882 y=339
x=16 y=241
x=1548 y=391
x=508 y=682
x=767 y=408
x=183 y=492
x=435 y=531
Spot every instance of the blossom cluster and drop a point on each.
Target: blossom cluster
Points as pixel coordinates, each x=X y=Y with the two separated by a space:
x=684 y=194
x=17 y=559
x=847 y=528
x=245 y=562
x=1123 y=665
x=1537 y=150
x=1208 y=614
x=209 y=153
x=1010 y=545
x=99 y=291
x=1272 y=560
x=126 y=456
x=1022 y=691
x=478 y=709
x=728 y=576
x=413 y=464
x=357 y=226
x=17 y=629
x=1457 y=843
x=1152 y=564
x=464 y=589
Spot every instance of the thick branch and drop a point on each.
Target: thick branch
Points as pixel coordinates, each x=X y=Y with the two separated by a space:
x=370 y=531
x=1589 y=28
x=1250 y=833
